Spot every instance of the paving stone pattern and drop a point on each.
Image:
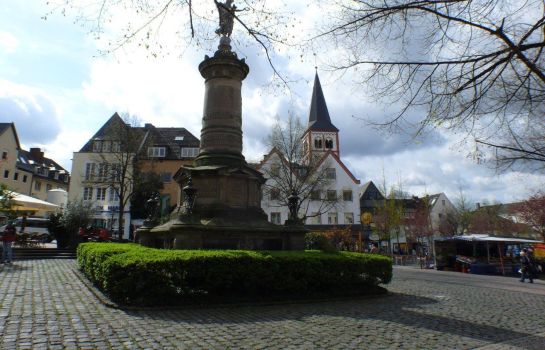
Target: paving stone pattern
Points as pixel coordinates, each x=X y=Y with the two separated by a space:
x=44 y=305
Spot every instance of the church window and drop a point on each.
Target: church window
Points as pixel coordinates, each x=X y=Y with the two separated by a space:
x=329 y=143
x=318 y=143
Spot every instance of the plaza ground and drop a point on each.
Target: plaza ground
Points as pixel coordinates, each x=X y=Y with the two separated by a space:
x=44 y=305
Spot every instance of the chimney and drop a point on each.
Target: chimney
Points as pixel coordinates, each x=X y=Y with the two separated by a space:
x=478 y=205
x=36 y=153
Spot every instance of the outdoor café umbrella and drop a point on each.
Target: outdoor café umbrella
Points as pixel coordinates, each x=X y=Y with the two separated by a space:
x=21 y=202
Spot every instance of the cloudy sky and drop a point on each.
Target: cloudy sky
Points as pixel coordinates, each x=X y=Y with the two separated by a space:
x=58 y=88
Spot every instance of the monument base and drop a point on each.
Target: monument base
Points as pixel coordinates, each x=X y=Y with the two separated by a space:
x=226 y=215
x=188 y=233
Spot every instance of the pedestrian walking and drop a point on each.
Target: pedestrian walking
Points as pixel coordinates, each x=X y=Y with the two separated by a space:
x=8 y=237
x=526 y=266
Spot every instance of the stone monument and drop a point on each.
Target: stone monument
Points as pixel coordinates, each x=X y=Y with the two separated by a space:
x=220 y=202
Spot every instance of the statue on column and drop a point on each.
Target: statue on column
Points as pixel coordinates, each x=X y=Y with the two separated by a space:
x=226 y=15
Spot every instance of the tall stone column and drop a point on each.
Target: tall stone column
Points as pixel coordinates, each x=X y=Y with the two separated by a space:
x=226 y=211
x=221 y=134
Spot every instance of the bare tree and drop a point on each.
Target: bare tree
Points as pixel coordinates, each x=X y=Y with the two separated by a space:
x=462 y=217
x=115 y=163
x=145 y=22
x=418 y=226
x=475 y=66
x=388 y=218
x=293 y=170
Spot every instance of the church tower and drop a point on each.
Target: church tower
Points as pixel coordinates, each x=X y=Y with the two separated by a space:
x=321 y=135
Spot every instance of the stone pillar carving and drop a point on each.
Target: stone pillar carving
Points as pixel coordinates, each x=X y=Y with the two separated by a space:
x=221 y=134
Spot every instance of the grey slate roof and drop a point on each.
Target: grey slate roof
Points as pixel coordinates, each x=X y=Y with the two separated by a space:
x=29 y=162
x=318 y=119
x=173 y=139
x=114 y=119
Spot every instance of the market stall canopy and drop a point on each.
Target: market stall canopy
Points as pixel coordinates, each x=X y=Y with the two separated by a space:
x=23 y=202
x=485 y=238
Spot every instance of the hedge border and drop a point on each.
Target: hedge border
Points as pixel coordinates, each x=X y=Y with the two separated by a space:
x=130 y=274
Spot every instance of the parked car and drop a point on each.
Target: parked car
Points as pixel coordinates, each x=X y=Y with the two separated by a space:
x=35 y=227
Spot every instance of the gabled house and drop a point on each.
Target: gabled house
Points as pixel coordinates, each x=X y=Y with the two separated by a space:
x=10 y=176
x=28 y=172
x=419 y=218
x=165 y=151
x=321 y=142
x=47 y=174
x=150 y=149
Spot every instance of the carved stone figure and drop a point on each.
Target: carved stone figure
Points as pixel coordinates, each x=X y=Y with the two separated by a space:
x=226 y=15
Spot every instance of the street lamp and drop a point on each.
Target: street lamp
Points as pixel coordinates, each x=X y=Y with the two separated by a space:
x=190 y=194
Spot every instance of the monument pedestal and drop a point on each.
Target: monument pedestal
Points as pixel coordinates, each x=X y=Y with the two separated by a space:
x=226 y=212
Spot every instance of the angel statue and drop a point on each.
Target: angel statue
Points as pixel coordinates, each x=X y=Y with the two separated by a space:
x=226 y=12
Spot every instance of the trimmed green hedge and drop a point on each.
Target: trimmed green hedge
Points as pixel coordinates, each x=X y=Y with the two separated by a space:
x=135 y=275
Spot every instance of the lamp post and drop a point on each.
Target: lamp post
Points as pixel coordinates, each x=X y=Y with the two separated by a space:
x=190 y=194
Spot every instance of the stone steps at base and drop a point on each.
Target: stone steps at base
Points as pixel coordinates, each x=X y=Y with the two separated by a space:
x=42 y=253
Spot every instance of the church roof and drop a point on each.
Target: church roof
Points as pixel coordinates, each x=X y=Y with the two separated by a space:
x=318 y=119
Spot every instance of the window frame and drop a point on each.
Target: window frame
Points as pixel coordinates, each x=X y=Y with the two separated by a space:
x=331 y=173
x=157 y=152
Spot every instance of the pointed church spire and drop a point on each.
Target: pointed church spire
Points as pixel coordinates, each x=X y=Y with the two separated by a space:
x=318 y=119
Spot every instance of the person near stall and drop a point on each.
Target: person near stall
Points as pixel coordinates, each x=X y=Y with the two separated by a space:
x=526 y=266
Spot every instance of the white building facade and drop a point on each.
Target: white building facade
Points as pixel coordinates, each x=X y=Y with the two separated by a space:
x=89 y=185
x=321 y=139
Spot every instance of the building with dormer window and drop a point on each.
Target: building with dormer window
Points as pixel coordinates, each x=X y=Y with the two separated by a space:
x=28 y=172
x=154 y=150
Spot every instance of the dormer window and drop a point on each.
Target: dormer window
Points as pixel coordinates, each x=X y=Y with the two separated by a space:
x=97 y=146
x=106 y=146
x=178 y=138
x=189 y=152
x=116 y=146
x=156 y=152
x=42 y=171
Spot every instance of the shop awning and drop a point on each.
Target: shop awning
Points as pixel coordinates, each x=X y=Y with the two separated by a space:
x=21 y=202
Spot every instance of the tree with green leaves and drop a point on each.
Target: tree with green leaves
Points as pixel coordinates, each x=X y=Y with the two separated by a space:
x=6 y=200
x=64 y=225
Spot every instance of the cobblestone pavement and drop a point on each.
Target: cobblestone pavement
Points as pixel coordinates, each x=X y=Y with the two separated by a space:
x=44 y=305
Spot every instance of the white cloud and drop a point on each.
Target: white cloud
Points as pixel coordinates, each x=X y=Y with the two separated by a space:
x=168 y=91
x=33 y=111
x=8 y=42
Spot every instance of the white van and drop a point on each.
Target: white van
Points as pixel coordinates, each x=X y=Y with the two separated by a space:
x=33 y=227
